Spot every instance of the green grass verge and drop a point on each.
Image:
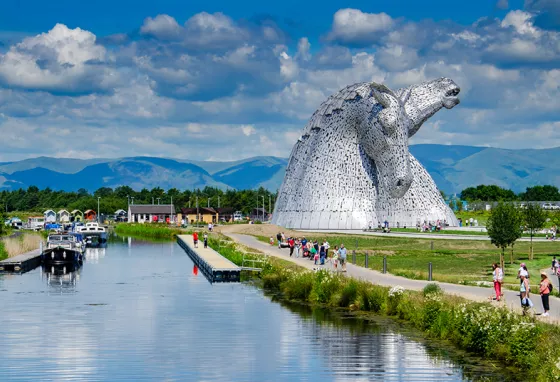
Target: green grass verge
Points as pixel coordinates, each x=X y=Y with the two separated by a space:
x=480 y=328
x=148 y=230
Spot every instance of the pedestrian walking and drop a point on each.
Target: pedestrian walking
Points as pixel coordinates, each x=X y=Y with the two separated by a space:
x=545 y=288
x=498 y=277
x=298 y=247
x=292 y=244
x=205 y=238
x=322 y=253
x=554 y=267
x=335 y=258
x=524 y=291
x=342 y=257
x=195 y=239
x=279 y=238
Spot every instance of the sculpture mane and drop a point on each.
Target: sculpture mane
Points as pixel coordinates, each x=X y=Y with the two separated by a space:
x=351 y=167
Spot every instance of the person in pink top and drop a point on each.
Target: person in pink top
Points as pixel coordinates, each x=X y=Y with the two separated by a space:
x=545 y=287
x=498 y=277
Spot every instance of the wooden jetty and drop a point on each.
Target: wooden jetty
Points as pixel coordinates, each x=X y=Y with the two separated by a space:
x=21 y=263
x=215 y=267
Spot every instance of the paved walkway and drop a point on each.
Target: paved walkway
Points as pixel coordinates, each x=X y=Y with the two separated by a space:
x=419 y=235
x=511 y=298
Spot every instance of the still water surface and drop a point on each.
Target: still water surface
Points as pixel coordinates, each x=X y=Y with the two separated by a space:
x=137 y=311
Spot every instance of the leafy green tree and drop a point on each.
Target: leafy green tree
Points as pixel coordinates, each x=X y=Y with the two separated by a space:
x=452 y=204
x=504 y=227
x=541 y=193
x=534 y=218
x=2 y=218
x=491 y=193
x=459 y=205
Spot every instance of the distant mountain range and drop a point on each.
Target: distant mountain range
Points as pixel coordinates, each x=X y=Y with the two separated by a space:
x=452 y=167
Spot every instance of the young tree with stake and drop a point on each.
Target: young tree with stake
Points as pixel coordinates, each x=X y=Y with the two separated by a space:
x=504 y=227
x=534 y=217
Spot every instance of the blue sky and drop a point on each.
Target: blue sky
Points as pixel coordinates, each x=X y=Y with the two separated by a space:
x=181 y=78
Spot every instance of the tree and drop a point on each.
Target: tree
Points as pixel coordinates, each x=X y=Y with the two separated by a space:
x=541 y=193
x=491 y=193
x=459 y=204
x=504 y=227
x=2 y=218
x=452 y=204
x=534 y=219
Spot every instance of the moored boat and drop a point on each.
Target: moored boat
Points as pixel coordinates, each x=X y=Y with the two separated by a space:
x=63 y=249
x=91 y=231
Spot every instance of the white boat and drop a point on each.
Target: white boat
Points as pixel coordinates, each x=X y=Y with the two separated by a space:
x=93 y=229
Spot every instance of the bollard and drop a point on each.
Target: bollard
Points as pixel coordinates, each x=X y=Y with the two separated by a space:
x=384 y=264
x=367 y=259
x=354 y=257
x=41 y=247
x=432 y=245
x=430 y=271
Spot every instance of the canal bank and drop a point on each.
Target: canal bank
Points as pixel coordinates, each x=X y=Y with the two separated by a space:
x=492 y=332
x=138 y=310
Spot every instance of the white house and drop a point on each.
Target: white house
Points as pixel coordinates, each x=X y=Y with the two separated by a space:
x=150 y=213
x=50 y=216
x=63 y=216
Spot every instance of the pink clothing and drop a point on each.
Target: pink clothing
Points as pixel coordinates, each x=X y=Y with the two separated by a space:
x=498 y=289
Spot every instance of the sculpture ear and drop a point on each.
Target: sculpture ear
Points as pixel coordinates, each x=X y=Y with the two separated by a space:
x=406 y=95
x=384 y=96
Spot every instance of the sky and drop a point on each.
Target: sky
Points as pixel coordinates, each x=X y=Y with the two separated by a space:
x=223 y=80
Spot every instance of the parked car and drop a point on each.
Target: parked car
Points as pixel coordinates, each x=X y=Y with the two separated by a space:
x=237 y=216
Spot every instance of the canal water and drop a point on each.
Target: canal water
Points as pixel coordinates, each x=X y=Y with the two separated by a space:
x=138 y=310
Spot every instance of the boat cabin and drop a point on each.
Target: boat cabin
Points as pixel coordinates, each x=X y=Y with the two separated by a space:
x=36 y=222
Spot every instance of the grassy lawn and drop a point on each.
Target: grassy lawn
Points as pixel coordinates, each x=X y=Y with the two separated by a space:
x=454 y=261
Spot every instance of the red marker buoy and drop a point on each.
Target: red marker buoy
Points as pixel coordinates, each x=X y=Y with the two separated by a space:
x=195 y=270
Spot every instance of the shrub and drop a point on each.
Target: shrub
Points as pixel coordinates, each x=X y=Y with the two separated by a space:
x=325 y=284
x=432 y=288
x=394 y=297
x=373 y=298
x=298 y=286
x=349 y=293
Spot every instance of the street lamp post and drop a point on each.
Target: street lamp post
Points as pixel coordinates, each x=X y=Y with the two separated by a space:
x=263 y=208
x=98 y=212
x=132 y=198
x=171 y=207
x=158 y=200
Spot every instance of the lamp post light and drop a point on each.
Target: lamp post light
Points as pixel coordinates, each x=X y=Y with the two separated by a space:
x=98 y=198
x=263 y=208
x=158 y=200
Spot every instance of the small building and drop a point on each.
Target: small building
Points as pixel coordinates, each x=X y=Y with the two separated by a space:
x=200 y=214
x=76 y=216
x=50 y=216
x=151 y=213
x=63 y=216
x=225 y=214
x=35 y=222
x=90 y=215
x=258 y=213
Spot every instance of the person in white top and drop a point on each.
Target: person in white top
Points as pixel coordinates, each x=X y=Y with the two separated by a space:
x=210 y=226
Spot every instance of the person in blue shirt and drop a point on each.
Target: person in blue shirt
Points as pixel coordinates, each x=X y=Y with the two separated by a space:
x=342 y=257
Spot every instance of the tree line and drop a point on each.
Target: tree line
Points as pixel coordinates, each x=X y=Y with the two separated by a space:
x=111 y=200
x=493 y=193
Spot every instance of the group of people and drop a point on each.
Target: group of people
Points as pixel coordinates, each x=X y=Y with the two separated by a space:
x=430 y=226
x=545 y=285
x=204 y=238
x=319 y=253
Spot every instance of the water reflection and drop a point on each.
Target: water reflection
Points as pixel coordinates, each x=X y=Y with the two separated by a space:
x=141 y=311
x=61 y=277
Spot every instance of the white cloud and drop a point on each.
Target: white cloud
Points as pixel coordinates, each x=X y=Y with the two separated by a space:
x=356 y=27
x=161 y=26
x=522 y=22
x=61 y=60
